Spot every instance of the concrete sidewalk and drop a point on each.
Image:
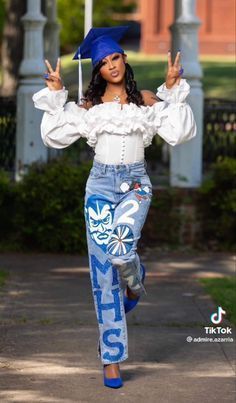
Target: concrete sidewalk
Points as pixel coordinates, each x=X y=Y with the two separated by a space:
x=49 y=333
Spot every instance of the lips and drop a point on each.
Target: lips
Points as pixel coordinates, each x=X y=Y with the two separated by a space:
x=115 y=73
x=102 y=236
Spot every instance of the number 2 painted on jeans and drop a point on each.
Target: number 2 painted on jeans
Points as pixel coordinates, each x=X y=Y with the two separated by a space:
x=126 y=216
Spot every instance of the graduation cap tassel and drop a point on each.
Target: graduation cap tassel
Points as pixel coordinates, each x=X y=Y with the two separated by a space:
x=80 y=88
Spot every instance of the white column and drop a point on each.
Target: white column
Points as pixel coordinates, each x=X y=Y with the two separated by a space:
x=186 y=159
x=29 y=145
x=51 y=47
x=88 y=16
x=51 y=32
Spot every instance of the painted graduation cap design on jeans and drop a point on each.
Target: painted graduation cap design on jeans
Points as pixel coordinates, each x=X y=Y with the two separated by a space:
x=99 y=43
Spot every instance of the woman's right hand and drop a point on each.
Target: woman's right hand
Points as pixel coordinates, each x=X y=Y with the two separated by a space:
x=53 y=80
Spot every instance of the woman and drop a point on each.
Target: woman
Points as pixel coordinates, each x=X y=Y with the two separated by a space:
x=118 y=122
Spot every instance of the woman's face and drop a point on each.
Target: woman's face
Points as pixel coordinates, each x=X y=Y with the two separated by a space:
x=113 y=68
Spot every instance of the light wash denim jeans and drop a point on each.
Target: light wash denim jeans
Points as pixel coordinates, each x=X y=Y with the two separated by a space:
x=117 y=201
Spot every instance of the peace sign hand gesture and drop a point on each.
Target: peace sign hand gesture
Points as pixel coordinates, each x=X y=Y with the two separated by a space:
x=174 y=71
x=53 y=78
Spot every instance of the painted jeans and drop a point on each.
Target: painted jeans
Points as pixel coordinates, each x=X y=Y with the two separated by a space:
x=117 y=200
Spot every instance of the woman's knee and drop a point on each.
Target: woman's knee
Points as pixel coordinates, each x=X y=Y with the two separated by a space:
x=120 y=260
x=122 y=243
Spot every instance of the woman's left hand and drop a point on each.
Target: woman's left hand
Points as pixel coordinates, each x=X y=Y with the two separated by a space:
x=173 y=73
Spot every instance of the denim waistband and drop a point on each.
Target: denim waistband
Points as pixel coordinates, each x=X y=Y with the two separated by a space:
x=119 y=168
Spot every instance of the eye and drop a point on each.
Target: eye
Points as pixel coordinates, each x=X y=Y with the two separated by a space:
x=106 y=219
x=116 y=57
x=94 y=223
x=103 y=63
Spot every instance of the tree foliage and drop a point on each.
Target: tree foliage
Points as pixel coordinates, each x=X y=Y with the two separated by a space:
x=71 y=18
x=2 y=16
x=12 y=45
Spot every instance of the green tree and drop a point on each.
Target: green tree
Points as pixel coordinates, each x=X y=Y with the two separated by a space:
x=71 y=18
x=12 y=45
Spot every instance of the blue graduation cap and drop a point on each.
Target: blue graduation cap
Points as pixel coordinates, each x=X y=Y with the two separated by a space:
x=99 y=43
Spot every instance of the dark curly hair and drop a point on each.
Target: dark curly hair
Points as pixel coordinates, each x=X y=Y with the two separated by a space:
x=97 y=86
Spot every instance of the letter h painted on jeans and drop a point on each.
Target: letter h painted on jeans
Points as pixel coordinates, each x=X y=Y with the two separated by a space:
x=103 y=268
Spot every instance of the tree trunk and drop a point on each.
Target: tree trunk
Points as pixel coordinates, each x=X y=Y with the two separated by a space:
x=12 y=46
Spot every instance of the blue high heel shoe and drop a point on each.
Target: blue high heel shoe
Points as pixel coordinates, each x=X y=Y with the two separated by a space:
x=129 y=304
x=112 y=382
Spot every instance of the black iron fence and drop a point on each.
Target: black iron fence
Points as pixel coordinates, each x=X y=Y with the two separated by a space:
x=7 y=133
x=219 y=135
x=219 y=129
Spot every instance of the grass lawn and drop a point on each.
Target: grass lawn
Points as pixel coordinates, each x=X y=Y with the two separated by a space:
x=223 y=292
x=219 y=78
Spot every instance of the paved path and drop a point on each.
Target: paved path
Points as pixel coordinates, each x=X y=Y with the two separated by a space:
x=49 y=333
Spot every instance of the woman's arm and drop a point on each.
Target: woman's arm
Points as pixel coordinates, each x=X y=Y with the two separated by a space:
x=173 y=119
x=149 y=97
x=63 y=123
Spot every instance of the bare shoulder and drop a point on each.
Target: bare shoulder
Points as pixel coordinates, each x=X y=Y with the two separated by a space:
x=86 y=105
x=149 y=97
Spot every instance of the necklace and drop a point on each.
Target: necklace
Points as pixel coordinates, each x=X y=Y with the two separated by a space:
x=117 y=98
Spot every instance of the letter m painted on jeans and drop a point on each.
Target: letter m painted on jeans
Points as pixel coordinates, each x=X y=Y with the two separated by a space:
x=103 y=268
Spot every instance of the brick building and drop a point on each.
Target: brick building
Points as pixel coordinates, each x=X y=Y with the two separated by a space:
x=216 y=34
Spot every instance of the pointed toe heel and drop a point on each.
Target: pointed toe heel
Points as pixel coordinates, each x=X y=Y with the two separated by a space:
x=112 y=382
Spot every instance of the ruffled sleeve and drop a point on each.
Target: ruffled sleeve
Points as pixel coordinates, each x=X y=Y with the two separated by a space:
x=173 y=118
x=63 y=123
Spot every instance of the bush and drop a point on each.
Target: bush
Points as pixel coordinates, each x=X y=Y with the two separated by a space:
x=50 y=213
x=217 y=205
x=164 y=219
x=7 y=205
x=44 y=211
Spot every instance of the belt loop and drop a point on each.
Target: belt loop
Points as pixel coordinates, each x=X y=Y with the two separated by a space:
x=104 y=169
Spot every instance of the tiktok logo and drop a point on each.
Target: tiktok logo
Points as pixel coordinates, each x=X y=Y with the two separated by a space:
x=217 y=319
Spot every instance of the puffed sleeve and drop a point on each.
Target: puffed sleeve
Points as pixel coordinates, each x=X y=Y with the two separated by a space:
x=173 y=119
x=62 y=123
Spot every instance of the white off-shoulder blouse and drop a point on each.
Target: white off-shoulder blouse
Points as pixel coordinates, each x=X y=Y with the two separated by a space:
x=117 y=133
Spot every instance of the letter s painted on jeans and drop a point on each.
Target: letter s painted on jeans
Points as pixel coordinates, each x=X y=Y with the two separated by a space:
x=108 y=356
